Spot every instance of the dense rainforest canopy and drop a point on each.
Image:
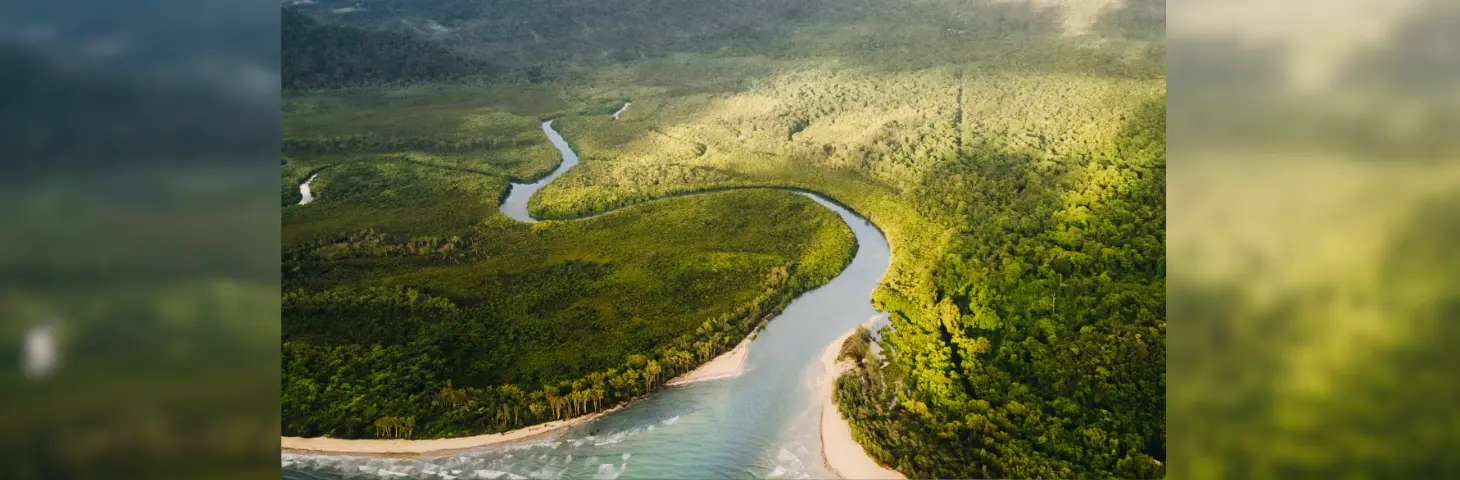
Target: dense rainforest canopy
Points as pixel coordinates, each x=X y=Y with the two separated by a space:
x=1044 y=355
x=1013 y=154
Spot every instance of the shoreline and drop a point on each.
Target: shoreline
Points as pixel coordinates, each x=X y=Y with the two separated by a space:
x=839 y=450
x=728 y=365
x=373 y=446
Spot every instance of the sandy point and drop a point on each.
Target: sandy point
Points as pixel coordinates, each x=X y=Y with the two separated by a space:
x=728 y=365
x=841 y=452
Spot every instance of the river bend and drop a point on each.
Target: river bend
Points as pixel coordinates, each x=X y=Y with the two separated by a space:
x=762 y=424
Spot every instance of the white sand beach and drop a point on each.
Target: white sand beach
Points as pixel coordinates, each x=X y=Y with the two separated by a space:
x=842 y=454
x=378 y=446
x=728 y=365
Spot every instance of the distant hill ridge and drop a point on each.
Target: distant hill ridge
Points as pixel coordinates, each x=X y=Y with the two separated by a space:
x=317 y=55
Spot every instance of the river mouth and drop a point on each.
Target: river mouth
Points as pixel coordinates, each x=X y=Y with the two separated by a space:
x=761 y=424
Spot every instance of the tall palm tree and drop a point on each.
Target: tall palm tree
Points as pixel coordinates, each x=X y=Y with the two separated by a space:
x=598 y=394
x=651 y=372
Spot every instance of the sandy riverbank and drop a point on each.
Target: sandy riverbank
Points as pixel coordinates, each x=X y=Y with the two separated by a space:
x=727 y=365
x=841 y=452
x=412 y=447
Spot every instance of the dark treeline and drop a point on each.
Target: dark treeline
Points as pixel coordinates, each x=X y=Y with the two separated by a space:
x=319 y=56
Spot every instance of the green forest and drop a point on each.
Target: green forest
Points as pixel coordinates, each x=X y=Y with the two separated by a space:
x=1044 y=355
x=1013 y=156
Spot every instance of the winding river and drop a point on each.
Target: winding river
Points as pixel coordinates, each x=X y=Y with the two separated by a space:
x=762 y=424
x=515 y=206
x=304 y=192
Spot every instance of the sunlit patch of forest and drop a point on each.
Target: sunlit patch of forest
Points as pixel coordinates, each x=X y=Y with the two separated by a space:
x=1017 y=170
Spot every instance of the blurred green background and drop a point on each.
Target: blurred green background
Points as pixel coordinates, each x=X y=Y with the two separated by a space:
x=1314 y=239
x=139 y=239
x=164 y=290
